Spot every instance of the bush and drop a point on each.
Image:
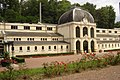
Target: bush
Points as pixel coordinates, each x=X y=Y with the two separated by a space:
x=19 y=60
x=5 y=63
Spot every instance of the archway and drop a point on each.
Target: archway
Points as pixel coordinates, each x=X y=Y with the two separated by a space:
x=92 y=32
x=85 y=46
x=85 y=31
x=92 y=46
x=78 y=46
x=77 y=31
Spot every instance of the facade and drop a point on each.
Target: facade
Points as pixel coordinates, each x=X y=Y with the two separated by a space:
x=75 y=32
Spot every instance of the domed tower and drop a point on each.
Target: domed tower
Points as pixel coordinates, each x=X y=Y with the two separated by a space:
x=79 y=30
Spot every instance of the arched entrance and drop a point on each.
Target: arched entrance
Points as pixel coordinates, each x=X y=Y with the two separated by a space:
x=78 y=46
x=92 y=46
x=85 y=46
x=77 y=32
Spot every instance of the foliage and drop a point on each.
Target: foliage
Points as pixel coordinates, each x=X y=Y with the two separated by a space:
x=19 y=60
x=28 y=11
x=117 y=25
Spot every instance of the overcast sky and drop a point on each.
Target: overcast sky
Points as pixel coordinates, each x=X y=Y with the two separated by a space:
x=102 y=3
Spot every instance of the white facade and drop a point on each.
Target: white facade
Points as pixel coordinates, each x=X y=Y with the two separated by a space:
x=74 y=33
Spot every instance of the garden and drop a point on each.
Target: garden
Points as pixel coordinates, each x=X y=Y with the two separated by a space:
x=54 y=69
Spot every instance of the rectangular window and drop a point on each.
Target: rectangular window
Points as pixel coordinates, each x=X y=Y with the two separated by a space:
x=103 y=31
x=61 y=47
x=26 y=27
x=98 y=30
x=42 y=47
x=20 y=48
x=49 y=28
x=28 y=48
x=54 y=47
x=49 y=47
x=35 y=47
x=38 y=28
x=14 y=27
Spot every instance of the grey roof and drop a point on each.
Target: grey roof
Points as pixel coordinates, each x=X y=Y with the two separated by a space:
x=76 y=14
x=106 y=35
x=33 y=34
x=108 y=41
x=39 y=42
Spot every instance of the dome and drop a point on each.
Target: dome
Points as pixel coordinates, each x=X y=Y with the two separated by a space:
x=75 y=14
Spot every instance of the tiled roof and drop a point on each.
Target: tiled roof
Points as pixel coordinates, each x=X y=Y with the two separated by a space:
x=33 y=34
x=39 y=42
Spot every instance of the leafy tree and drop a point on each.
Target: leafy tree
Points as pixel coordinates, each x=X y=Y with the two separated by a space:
x=105 y=17
x=117 y=25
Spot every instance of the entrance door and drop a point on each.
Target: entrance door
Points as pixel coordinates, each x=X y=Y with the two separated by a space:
x=78 y=46
x=85 y=46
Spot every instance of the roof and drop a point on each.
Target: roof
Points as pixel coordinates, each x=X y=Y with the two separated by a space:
x=108 y=41
x=76 y=14
x=39 y=42
x=33 y=34
x=106 y=35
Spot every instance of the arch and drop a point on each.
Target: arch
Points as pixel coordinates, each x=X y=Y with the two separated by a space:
x=77 y=31
x=85 y=31
x=92 y=32
x=77 y=46
x=85 y=46
x=92 y=46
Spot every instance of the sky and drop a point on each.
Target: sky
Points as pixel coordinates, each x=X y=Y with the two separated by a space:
x=102 y=3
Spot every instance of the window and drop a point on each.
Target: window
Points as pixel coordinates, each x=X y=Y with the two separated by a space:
x=109 y=45
x=49 y=47
x=118 y=45
x=109 y=31
x=28 y=48
x=12 y=48
x=54 y=47
x=26 y=27
x=38 y=28
x=61 y=47
x=85 y=31
x=19 y=39
x=28 y=39
x=66 y=47
x=103 y=31
x=14 y=27
x=49 y=28
x=42 y=47
x=77 y=32
x=98 y=31
x=35 y=47
x=92 y=32
x=20 y=48
x=105 y=45
x=115 y=31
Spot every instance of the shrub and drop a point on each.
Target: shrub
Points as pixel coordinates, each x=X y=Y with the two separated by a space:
x=5 y=63
x=19 y=60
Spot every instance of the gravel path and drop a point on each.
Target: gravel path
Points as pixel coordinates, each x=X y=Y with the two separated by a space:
x=109 y=73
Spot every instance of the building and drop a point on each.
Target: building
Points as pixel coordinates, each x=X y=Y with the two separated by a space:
x=75 y=32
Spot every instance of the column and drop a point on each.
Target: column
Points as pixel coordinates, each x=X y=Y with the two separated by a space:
x=89 y=46
x=81 y=46
x=89 y=35
x=95 y=46
x=81 y=32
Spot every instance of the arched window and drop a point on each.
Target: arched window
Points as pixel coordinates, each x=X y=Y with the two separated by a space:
x=85 y=31
x=92 y=32
x=78 y=46
x=77 y=31
x=92 y=46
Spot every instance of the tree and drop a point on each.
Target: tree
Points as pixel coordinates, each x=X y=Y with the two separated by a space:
x=117 y=25
x=105 y=17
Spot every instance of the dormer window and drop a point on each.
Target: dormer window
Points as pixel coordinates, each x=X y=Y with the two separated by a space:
x=49 y=28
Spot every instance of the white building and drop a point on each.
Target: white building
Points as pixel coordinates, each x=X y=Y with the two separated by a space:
x=75 y=32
